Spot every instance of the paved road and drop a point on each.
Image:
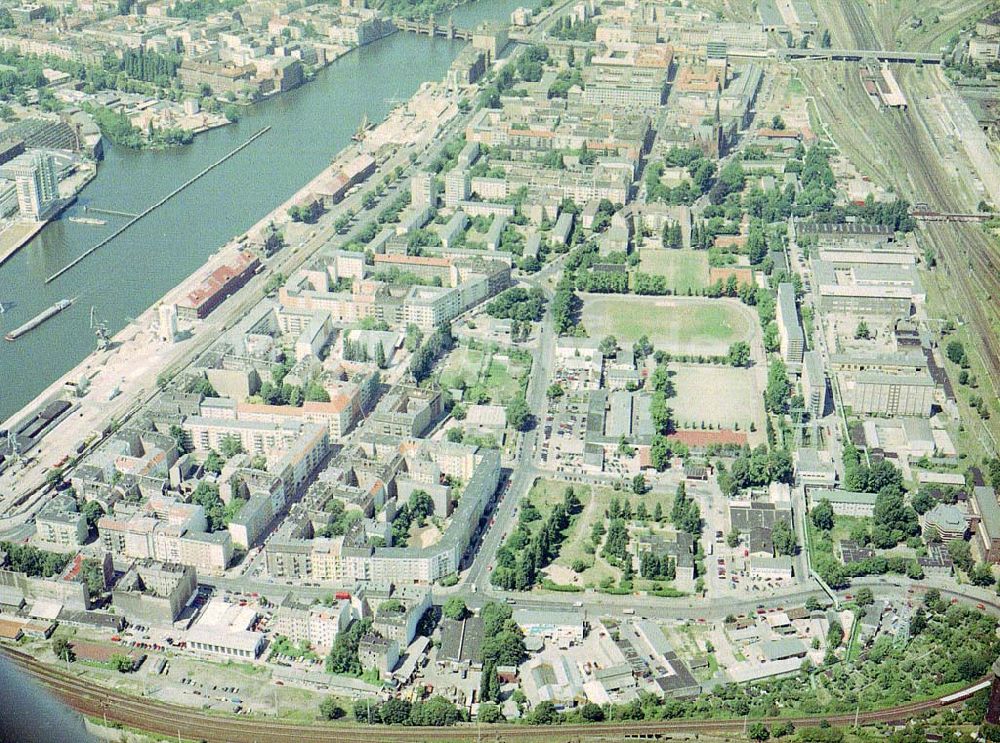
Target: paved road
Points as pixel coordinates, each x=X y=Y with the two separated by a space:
x=523 y=477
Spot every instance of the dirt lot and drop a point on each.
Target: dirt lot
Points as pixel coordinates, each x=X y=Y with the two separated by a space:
x=721 y=395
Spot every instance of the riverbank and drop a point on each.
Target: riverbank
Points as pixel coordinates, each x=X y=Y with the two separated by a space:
x=310 y=125
x=18 y=233
x=122 y=377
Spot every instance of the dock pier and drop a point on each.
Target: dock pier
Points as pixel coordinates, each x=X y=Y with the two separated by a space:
x=154 y=207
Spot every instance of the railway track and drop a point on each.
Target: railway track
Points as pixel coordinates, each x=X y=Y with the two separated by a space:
x=965 y=253
x=168 y=719
x=968 y=255
x=859 y=25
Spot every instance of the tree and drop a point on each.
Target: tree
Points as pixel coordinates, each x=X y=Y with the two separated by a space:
x=862 y=332
x=739 y=354
x=494 y=617
x=489 y=712
x=555 y=391
x=982 y=575
x=608 y=345
x=230 y=446
x=778 y=390
x=343 y=656
x=121 y=663
x=864 y=597
x=923 y=502
x=893 y=520
x=642 y=347
x=454 y=608
x=961 y=554
x=180 y=438
x=518 y=414
x=592 y=712
x=686 y=514
x=812 y=604
x=420 y=505
x=784 y=539
x=758 y=731
x=639 y=484
x=330 y=710
x=660 y=453
x=835 y=634
x=955 y=352
x=544 y=713
x=63 y=650
x=822 y=515
x=92 y=511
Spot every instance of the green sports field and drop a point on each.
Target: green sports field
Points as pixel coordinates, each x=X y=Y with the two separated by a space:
x=680 y=325
x=684 y=270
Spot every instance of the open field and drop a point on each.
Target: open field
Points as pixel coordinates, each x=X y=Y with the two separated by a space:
x=503 y=380
x=595 y=501
x=679 y=325
x=721 y=395
x=685 y=270
x=497 y=377
x=462 y=364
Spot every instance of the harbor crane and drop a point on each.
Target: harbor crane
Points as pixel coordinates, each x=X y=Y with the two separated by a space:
x=100 y=329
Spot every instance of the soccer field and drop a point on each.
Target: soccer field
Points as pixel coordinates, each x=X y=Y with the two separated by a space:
x=680 y=325
x=684 y=269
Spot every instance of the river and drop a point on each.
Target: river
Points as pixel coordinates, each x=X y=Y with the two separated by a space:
x=309 y=126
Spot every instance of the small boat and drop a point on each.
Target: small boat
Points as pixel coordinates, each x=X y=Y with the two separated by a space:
x=87 y=220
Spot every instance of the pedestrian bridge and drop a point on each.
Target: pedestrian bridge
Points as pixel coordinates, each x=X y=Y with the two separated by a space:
x=858 y=55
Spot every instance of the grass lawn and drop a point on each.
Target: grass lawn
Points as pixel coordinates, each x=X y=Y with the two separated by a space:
x=684 y=269
x=795 y=87
x=682 y=325
x=462 y=364
x=503 y=381
x=595 y=500
x=818 y=543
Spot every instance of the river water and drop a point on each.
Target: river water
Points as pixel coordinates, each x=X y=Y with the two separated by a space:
x=309 y=126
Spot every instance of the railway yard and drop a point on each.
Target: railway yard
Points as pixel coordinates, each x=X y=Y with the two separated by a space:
x=924 y=159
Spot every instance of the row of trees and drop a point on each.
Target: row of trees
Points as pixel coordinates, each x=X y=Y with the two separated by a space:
x=503 y=646
x=358 y=351
x=434 y=712
x=525 y=554
x=756 y=468
x=36 y=563
x=518 y=304
x=422 y=362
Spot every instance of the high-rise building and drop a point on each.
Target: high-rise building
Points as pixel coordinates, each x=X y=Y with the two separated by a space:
x=424 y=190
x=790 y=335
x=37 y=186
x=457 y=187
